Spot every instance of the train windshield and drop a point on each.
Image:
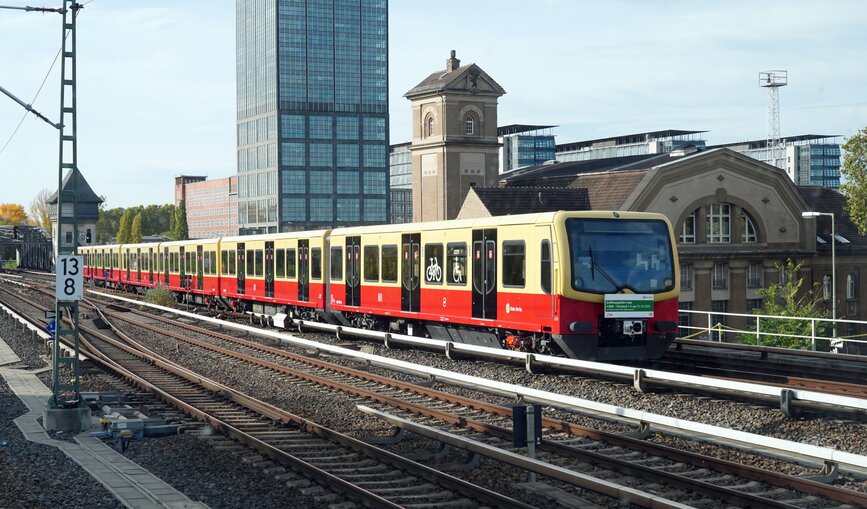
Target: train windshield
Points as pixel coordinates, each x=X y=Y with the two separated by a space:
x=610 y=255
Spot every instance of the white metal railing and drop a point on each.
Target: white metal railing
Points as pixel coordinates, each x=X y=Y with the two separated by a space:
x=718 y=331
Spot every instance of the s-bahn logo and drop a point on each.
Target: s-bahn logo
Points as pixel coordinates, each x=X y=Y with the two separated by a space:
x=434 y=272
x=510 y=308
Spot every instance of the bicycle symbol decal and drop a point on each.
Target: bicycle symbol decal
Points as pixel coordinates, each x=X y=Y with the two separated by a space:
x=434 y=272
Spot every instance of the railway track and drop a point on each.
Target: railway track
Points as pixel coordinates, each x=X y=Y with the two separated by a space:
x=347 y=465
x=693 y=475
x=687 y=478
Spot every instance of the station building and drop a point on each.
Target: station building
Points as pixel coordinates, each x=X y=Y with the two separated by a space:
x=736 y=219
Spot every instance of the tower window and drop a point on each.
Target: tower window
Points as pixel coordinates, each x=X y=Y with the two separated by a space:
x=429 y=126
x=471 y=125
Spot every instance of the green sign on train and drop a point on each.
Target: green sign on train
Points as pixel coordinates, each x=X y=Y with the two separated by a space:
x=622 y=305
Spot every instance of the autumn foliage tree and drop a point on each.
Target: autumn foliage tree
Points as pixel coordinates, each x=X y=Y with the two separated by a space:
x=12 y=213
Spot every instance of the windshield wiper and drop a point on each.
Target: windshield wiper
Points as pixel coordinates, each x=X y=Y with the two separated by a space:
x=594 y=266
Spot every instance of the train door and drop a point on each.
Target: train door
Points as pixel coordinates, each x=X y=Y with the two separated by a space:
x=138 y=264
x=410 y=291
x=269 y=269
x=200 y=269
x=182 y=261
x=304 y=270
x=128 y=268
x=485 y=274
x=353 y=271
x=242 y=267
x=151 y=261
x=166 y=263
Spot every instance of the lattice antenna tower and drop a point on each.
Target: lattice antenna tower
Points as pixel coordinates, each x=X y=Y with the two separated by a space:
x=773 y=80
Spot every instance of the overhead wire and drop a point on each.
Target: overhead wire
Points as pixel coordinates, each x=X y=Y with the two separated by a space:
x=36 y=95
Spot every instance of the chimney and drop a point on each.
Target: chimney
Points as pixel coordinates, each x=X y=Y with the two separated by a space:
x=452 y=63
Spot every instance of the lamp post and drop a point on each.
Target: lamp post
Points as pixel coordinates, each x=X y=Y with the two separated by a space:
x=813 y=215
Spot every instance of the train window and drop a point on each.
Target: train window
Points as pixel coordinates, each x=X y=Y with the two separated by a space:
x=260 y=262
x=251 y=262
x=290 y=263
x=206 y=262
x=280 y=262
x=213 y=262
x=546 y=266
x=389 y=264
x=232 y=262
x=114 y=263
x=316 y=263
x=513 y=263
x=456 y=266
x=433 y=256
x=336 y=263
x=224 y=262
x=371 y=263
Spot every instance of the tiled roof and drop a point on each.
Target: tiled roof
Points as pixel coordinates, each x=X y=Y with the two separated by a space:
x=824 y=199
x=524 y=200
x=436 y=81
x=608 y=191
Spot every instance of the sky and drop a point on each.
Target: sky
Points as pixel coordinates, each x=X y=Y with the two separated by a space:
x=156 y=79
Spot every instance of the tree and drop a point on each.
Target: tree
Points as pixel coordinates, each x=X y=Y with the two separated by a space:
x=134 y=236
x=39 y=211
x=854 y=187
x=788 y=299
x=12 y=213
x=125 y=226
x=180 y=230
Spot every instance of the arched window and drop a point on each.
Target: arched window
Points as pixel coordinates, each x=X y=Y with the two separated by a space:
x=470 y=122
x=748 y=229
x=429 y=126
x=718 y=222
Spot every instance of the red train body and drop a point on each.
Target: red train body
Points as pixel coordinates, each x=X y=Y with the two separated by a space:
x=590 y=285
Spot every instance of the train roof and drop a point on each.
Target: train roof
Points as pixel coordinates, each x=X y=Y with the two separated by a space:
x=517 y=219
x=277 y=236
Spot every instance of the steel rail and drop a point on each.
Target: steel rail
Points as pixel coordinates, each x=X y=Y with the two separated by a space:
x=735 y=497
x=279 y=415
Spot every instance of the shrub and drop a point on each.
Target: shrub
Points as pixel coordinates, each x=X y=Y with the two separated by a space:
x=161 y=296
x=11 y=265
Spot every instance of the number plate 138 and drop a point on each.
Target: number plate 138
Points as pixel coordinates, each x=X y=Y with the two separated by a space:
x=70 y=277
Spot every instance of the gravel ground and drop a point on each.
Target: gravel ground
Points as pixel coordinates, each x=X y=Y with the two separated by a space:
x=23 y=345
x=39 y=476
x=830 y=431
x=334 y=410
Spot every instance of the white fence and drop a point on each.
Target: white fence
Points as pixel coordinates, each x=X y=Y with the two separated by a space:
x=714 y=326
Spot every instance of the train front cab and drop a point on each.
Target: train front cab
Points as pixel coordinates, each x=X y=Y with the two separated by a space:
x=618 y=285
x=191 y=267
x=279 y=272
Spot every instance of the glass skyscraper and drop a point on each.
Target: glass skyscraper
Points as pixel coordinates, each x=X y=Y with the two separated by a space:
x=312 y=83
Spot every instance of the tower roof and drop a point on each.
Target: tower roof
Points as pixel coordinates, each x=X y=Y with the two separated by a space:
x=83 y=192
x=472 y=77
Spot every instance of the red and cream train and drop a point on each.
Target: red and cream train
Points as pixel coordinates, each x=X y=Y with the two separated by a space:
x=590 y=285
